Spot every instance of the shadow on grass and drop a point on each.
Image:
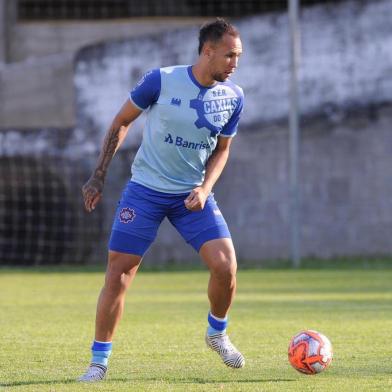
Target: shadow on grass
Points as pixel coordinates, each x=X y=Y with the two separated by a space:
x=195 y=380
x=36 y=382
x=199 y=380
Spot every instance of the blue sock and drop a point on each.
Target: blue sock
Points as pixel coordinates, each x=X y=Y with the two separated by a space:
x=101 y=352
x=216 y=324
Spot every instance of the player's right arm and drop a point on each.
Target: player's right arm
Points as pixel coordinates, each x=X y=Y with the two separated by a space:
x=145 y=94
x=92 y=189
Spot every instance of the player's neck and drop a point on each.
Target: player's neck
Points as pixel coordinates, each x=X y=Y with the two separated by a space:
x=202 y=76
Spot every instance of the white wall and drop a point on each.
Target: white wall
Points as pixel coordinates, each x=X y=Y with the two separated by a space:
x=346 y=61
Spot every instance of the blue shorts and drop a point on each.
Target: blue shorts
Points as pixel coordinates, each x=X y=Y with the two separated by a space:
x=141 y=211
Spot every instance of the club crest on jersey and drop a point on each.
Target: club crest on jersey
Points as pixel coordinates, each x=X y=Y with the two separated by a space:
x=214 y=108
x=127 y=215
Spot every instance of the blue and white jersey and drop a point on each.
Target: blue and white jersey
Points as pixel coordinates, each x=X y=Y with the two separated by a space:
x=184 y=120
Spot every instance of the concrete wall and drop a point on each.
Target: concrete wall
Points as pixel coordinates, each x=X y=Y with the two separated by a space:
x=38 y=93
x=346 y=146
x=37 y=63
x=344 y=156
x=345 y=186
x=346 y=63
x=7 y=20
x=3 y=32
x=346 y=208
x=36 y=39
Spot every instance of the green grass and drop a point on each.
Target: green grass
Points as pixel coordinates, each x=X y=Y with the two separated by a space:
x=46 y=324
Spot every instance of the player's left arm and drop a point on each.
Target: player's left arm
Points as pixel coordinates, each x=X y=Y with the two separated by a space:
x=214 y=168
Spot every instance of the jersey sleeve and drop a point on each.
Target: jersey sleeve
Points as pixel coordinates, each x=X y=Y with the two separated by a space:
x=230 y=129
x=147 y=90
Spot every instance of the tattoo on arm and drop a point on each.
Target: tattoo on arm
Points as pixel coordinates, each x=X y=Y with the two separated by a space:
x=110 y=145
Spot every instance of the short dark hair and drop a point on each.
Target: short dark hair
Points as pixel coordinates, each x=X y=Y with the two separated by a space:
x=214 y=31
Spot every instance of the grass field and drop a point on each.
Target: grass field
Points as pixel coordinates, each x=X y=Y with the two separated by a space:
x=46 y=324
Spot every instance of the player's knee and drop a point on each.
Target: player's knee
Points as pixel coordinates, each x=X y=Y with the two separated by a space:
x=119 y=271
x=122 y=263
x=225 y=268
x=114 y=281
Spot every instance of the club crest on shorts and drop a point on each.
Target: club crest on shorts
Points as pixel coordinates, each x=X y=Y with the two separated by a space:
x=127 y=215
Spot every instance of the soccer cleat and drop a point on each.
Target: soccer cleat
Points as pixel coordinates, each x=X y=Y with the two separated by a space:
x=220 y=343
x=94 y=373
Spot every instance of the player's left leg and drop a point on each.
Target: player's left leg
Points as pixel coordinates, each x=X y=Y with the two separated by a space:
x=219 y=256
x=207 y=232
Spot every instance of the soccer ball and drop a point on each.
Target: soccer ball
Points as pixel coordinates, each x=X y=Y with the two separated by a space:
x=310 y=352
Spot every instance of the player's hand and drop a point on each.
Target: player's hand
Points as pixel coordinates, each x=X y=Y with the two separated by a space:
x=92 y=192
x=196 y=199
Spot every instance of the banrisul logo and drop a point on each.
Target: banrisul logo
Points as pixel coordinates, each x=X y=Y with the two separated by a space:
x=181 y=142
x=169 y=139
x=214 y=107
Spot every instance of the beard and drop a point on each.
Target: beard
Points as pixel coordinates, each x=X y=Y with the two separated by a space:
x=220 y=77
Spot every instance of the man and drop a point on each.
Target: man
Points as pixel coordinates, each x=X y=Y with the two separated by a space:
x=192 y=116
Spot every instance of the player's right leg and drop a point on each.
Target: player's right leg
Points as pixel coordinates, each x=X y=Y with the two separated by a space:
x=135 y=226
x=121 y=270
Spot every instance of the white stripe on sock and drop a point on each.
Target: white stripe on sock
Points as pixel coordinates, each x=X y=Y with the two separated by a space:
x=218 y=318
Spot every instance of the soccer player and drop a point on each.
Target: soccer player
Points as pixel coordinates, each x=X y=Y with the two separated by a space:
x=192 y=116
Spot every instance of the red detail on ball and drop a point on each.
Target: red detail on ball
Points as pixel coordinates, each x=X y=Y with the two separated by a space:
x=310 y=352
